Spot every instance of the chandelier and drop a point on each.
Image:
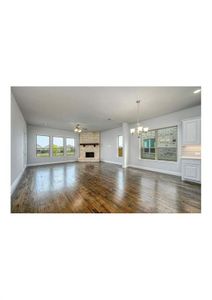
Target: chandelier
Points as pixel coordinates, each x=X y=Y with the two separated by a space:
x=78 y=128
x=139 y=128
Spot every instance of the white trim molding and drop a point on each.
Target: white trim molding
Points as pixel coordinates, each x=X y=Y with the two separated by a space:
x=111 y=162
x=17 y=180
x=51 y=163
x=156 y=170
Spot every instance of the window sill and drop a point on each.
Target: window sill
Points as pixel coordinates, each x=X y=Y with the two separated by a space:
x=162 y=161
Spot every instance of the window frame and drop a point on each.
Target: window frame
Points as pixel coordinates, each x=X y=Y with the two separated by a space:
x=62 y=137
x=149 y=148
x=156 y=138
x=120 y=147
x=71 y=138
x=49 y=146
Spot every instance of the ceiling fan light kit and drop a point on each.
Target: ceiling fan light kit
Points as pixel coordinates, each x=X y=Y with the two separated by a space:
x=78 y=128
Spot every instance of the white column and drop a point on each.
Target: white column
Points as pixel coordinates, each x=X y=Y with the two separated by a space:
x=126 y=136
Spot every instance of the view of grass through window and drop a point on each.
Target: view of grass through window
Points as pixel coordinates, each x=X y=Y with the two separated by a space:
x=160 y=144
x=58 y=146
x=70 y=150
x=120 y=146
x=42 y=146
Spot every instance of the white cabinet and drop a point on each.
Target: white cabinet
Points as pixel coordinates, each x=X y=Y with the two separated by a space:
x=191 y=170
x=191 y=132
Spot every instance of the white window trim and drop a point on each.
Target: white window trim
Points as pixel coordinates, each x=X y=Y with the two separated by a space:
x=58 y=136
x=36 y=145
x=117 y=147
x=159 y=160
x=67 y=137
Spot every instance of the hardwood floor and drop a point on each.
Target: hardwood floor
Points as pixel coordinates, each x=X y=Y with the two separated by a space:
x=102 y=187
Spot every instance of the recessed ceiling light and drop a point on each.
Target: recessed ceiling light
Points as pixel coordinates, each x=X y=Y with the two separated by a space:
x=197 y=91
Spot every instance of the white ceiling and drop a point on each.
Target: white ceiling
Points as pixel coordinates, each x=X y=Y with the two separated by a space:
x=64 y=107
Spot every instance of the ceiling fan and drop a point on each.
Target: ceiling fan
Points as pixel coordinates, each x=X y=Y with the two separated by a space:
x=79 y=129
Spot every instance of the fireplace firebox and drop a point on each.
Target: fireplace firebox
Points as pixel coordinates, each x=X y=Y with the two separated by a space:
x=89 y=154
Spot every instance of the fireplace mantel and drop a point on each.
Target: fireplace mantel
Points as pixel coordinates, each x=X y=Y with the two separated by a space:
x=89 y=144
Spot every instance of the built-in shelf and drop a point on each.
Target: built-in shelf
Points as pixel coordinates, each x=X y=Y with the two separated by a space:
x=89 y=144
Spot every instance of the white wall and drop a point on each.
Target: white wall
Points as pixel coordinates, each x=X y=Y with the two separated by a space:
x=33 y=131
x=109 y=146
x=18 y=144
x=160 y=122
x=109 y=142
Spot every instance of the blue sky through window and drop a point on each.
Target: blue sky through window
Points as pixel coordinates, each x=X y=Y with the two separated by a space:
x=58 y=141
x=42 y=141
x=70 y=142
x=120 y=141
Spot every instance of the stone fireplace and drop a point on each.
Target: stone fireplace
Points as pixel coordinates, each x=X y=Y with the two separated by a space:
x=89 y=146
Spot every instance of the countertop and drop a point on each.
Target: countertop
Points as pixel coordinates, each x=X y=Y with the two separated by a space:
x=191 y=157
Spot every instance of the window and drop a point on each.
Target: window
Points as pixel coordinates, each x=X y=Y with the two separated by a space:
x=148 y=145
x=120 y=146
x=42 y=146
x=58 y=146
x=167 y=144
x=160 y=144
x=70 y=149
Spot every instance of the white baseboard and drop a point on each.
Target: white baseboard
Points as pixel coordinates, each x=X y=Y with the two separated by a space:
x=88 y=160
x=112 y=162
x=155 y=170
x=16 y=181
x=51 y=163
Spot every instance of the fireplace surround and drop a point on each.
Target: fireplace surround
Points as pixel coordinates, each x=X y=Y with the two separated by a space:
x=89 y=147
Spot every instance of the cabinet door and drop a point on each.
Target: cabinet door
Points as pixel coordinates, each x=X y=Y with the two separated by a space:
x=198 y=131
x=191 y=171
x=192 y=132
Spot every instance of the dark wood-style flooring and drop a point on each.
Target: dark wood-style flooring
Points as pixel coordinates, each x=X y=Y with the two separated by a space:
x=102 y=187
